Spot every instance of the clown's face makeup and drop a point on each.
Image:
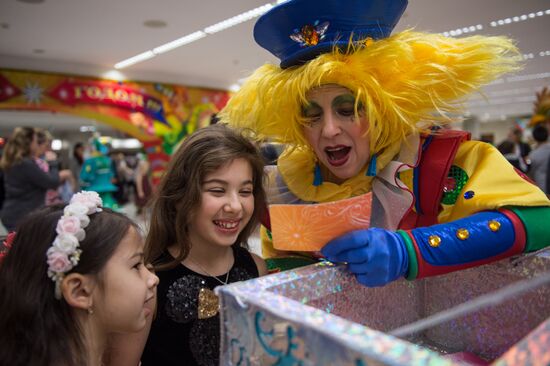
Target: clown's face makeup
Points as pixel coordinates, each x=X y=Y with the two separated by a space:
x=338 y=137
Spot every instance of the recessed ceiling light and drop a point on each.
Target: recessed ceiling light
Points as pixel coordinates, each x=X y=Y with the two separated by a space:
x=38 y=51
x=31 y=1
x=155 y=23
x=4 y=26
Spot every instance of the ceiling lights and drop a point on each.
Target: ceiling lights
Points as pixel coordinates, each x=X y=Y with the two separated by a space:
x=460 y=31
x=251 y=14
x=502 y=101
x=496 y=23
x=241 y=18
x=519 y=18
x=542 y=75
x=178 y=42
x=134 y=59
x=228 y=23
x=504 y=93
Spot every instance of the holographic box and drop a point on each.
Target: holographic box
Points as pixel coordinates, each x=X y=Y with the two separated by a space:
x=319 y=315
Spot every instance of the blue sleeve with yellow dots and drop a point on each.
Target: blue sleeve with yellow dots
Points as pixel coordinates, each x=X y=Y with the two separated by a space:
x=478 y=239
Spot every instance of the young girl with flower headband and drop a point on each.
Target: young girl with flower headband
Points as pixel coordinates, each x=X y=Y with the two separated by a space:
x=73 y=276
x=206 y=207
x=359 y=110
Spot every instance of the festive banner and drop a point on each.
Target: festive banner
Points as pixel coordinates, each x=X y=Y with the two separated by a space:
x=159 y=115
x=7 y=89
x=154 y=112
x=107 y=93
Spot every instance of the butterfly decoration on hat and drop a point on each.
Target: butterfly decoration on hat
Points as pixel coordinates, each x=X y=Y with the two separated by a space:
x=310 y=35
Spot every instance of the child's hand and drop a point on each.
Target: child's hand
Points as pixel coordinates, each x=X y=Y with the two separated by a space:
x=376 y=256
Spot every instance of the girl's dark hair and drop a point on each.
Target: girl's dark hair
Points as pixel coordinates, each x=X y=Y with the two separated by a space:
x=36 y=328
x=179 y=193
x=18 y=147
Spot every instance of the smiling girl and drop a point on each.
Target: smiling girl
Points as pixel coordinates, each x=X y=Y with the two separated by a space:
x=207 y=205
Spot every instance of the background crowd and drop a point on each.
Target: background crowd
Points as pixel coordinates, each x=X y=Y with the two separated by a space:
x=32 y=175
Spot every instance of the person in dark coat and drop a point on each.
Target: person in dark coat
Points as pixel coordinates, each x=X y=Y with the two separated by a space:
x=25 y=184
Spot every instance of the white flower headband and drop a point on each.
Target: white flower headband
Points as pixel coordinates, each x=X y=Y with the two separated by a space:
x=64 y=253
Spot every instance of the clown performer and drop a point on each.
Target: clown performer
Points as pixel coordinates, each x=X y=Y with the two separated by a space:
x=97 y=174
x=361 y=111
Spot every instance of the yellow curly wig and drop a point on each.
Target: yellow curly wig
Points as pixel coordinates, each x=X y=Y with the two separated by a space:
x=401 y=80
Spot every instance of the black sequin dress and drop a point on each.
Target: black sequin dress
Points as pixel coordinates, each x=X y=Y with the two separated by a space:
x=178 y=336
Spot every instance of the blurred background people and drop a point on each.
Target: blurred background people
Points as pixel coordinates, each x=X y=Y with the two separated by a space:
x=506 y=148
x=25 y=183
x=2 y=192
x=75 y=164
x=515 y=150
x=540 y=157
x=44 y=157
x=124 y=178
x=144 y=187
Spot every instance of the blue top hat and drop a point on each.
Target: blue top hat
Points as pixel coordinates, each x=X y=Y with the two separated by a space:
x=299 y=30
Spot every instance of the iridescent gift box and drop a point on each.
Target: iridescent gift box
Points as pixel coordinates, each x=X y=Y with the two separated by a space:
x=319 y=315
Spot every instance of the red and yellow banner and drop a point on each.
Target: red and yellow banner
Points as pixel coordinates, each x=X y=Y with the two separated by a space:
x=72 y=92
x=147 y=111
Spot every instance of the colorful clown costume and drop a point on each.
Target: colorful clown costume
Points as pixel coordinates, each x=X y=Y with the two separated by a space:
x=445 y=202
x=482 y=198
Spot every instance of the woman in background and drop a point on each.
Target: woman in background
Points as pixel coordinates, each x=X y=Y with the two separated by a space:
x=75 y=164
x=144 y=187
x=24 y=182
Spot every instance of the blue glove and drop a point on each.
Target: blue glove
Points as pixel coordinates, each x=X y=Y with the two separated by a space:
x=376 y=256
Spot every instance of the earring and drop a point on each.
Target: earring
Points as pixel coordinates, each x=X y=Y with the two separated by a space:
x=90 y=311
x=371 y=171
x=317 y=177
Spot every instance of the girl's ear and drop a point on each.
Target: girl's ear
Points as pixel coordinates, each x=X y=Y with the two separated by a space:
x=77 y=290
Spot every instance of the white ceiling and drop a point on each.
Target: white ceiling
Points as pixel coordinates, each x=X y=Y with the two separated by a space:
x=89 y=37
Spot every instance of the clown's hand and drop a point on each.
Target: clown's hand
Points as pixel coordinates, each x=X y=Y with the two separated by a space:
x=376 y=256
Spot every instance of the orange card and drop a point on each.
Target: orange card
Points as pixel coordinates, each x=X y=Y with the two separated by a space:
x=309 y=227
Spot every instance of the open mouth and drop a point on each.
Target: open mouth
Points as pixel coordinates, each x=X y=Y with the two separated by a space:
x=337 y=155
x=229 y=225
